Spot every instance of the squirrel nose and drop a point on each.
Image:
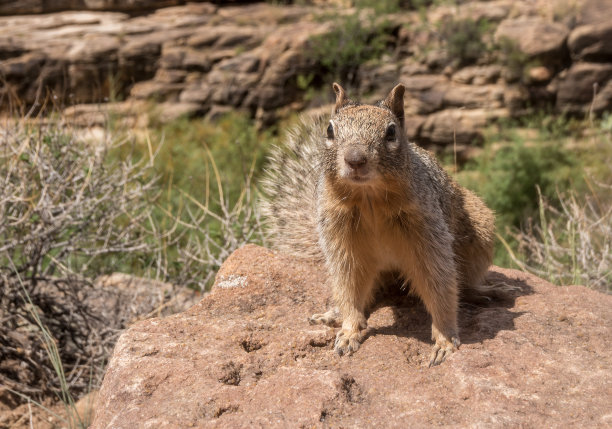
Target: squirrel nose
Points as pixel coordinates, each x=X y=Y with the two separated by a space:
x=355 y=158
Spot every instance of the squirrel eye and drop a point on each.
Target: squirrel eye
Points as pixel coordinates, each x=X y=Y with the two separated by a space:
x=330 y=131
x=390 y=135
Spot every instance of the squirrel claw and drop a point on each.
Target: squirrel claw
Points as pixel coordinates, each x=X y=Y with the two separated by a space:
x=441 y=350
x=347 y=342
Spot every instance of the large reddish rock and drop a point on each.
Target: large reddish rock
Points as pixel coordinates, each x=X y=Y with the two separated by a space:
x=583 y=88
x=592 y=42
x=245 y=356
x=535 y=37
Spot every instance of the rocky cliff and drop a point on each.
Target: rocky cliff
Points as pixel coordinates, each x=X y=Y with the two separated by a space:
x=245 y=356
x=202 y=58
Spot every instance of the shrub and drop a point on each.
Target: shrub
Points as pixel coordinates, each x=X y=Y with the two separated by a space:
x=66 y=215
x=464 y=39
x=352 y=41
x=72 y=210
x=514 y=172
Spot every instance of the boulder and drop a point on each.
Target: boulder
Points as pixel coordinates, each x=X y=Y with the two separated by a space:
x=478 y=75
x=43 y=6
x=457 y=126
x=591 y=42
x=424 y=93
x=491 y=11
x=576 y=89
x=534 y=36
x=157 y=90
x=245 y=356
x=225 y=36
x=473 y=96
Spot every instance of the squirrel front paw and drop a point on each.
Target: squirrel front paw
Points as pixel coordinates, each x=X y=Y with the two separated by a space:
x=347 y=342
x=442 y=349
x=331 y=318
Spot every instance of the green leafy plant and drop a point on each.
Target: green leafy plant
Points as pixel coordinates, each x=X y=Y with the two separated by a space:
x=464 y=39
x=351 y=42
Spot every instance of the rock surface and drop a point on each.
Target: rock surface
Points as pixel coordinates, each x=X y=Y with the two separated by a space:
x=245 y=356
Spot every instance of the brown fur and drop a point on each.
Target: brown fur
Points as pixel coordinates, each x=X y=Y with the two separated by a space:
x=378 y=203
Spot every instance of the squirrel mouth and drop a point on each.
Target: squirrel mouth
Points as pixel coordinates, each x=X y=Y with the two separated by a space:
x=358 y=178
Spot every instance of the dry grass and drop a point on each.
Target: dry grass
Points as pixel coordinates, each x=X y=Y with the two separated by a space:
x=571 y=245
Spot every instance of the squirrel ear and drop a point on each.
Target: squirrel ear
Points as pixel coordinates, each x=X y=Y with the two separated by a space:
x=341 y=98
x=395 y=102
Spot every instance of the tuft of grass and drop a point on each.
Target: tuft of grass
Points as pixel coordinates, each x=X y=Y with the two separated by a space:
x=571 y=244
x=207 y=172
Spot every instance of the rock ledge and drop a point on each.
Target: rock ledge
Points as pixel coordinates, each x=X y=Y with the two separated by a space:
x=245 y=356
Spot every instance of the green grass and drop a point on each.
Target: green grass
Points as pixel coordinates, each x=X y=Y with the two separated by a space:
x=206 y=172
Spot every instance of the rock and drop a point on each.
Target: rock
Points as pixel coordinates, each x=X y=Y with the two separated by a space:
x=84 y=409
x=245 y=63
x=225 y=36
x=373 y=77
x=603 y=100
x=245 y=356
x=411 y=67
x=515 y=99
x=412 y=126
x=593 y=12
x=43 y=6
x=10 y=48
x=23 y=68
x=576 y=88
x=478 y=75
x=539 y=74
x=591 y=42
x=198 y=92
x=156 y=90
x=230 y=88
x=424 y=93
x=128 y=113
x=170 y=75
x=535 y=37
x=491 y=11
x=472 y=96
x=170 y=111
x=457 y=126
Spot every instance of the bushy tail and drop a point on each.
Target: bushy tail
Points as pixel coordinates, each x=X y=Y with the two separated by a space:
x=289 y=186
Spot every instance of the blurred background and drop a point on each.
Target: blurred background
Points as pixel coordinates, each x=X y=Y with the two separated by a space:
x=134 y=133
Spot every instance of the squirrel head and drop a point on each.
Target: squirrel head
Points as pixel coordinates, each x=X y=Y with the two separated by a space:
x=365 y=143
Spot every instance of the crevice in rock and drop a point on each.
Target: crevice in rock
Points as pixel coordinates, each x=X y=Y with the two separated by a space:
x=225 y=409
x=230 y=374
x=349 y=389
x=251 y=344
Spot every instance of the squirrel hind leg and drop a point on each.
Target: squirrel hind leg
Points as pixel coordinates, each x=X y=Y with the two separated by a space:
x=331 y=318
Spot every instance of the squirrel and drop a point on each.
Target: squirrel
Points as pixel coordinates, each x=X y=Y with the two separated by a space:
x=366 y=201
